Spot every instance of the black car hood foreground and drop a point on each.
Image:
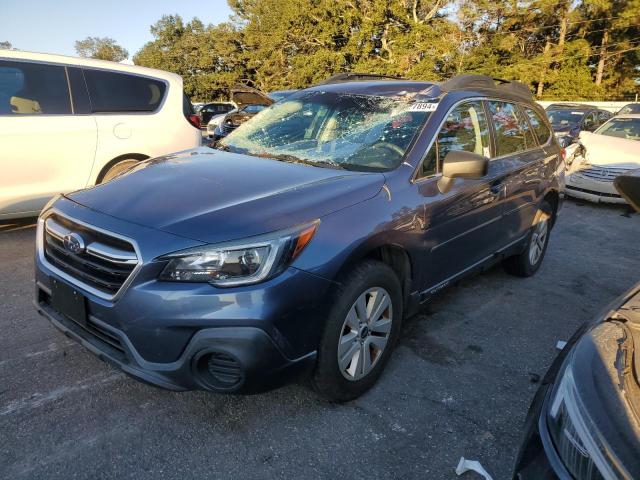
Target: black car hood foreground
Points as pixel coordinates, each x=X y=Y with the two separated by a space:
x=605 y=367
x=214 y=196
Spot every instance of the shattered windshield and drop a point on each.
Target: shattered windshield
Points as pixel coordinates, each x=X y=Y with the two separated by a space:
x=332 y=130
x=564 y=117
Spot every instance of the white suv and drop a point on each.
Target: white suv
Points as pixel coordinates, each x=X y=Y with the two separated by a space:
x=67 y=123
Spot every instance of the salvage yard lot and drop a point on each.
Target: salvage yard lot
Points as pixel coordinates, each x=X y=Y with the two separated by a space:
x=459 y=384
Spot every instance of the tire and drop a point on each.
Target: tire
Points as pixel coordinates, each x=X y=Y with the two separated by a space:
x=117 y=168
x=528 y=262
x=370 y=282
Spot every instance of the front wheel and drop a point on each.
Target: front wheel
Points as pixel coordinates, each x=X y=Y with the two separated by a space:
x=360 y=332
x=527 y=263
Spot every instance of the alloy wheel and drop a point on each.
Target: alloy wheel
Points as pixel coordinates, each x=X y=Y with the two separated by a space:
x=365 y=333
x=538 y=240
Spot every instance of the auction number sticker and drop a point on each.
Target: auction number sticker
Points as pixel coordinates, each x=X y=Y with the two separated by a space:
x=423 y=107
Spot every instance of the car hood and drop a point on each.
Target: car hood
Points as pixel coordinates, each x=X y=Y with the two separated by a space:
x=214 y=196
x=249 y=96
x=607 y=150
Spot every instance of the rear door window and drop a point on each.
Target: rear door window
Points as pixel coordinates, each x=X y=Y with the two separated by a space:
x=511 y=134
x=465 y=128
x=33 y=89
x=121 y=92
x=529 y=137
x=539 y=126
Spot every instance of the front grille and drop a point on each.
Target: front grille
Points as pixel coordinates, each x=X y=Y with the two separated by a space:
x=102 y=261
x=601 y=174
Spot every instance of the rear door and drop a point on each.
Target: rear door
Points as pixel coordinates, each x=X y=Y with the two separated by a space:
x=520 y=154
x=46 y=148
x=126 y=109
x=462 y=224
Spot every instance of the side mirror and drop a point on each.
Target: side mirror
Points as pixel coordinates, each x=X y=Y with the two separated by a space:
x=461 y=164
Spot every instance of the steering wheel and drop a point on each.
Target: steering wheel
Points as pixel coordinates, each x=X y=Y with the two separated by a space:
x=373 y=159
x=389 y=146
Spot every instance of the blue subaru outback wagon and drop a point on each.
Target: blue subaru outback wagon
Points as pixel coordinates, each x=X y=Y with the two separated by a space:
x=299 y=243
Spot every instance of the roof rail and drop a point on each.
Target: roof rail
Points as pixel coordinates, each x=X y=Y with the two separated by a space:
x=484 y=82
x=356 y=77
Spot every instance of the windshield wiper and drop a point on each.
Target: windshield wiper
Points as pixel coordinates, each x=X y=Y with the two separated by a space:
x=283 y=157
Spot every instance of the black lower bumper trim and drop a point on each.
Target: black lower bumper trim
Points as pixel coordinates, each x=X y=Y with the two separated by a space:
x=262 y=365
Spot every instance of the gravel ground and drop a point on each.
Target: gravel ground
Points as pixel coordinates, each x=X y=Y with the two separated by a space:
x=459 y=383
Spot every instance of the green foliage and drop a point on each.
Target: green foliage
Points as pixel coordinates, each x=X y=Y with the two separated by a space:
x=554 y=46
x=6 y=46
x=101 y=48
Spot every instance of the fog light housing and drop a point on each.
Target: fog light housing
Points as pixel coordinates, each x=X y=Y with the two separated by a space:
x=219 y=371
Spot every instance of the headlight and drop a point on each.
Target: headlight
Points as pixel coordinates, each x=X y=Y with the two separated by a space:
x=238 y=263
x=576 y=438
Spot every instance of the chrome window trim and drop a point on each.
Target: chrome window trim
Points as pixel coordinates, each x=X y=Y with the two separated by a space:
x=72 y=280
x=414 y=177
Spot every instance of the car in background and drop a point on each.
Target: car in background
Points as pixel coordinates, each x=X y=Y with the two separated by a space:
x=601 y=156
x=630 y=108
x=299 y=244
x=584 y=421
x=68 y=123
x=215 y=121
x=249 y=102
x=214 y=109
x=569 y=119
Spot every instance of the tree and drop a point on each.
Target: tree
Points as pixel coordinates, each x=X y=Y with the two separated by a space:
x=6 y=46
x=104 y=48
x=209 y=58
x=562 y=49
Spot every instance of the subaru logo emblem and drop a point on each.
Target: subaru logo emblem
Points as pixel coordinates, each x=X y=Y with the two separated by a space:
x=73 y=243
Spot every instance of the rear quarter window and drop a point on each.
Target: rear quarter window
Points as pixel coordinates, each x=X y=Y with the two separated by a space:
x=539 y=126
x=511 y=135
x=121 y=92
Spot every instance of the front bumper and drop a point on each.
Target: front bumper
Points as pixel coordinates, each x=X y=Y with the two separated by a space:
x=584 y=188
x=261 y=365
x=168 y=333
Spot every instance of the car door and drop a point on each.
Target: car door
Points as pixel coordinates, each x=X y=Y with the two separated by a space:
x=462 y=224
x=126 y=108
x=46 y=148
x=519 y=154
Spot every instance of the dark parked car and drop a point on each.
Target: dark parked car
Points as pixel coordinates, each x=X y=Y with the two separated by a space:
x=630 y=108
x=584 y=422
x=301 y=243
x=250 y=102
x=212 y=109
x=569 y=119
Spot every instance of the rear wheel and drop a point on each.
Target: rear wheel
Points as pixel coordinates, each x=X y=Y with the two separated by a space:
x=117 y=169
x=360 y=332
x=527 y=263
